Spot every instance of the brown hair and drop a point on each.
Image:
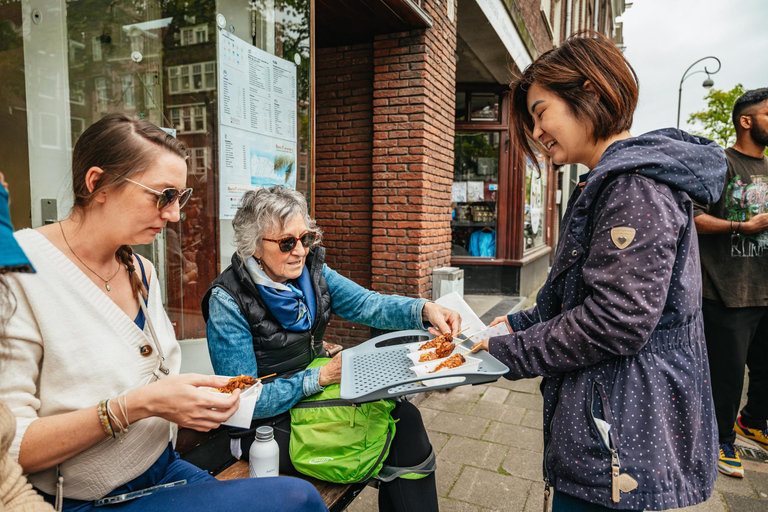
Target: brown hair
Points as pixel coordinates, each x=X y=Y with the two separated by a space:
x=585 y=56
x=121 y=145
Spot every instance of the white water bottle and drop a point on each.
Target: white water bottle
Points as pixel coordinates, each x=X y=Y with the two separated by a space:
x=264 y=455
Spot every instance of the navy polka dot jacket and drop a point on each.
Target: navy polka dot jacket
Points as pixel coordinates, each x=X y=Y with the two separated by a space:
x=617 y=331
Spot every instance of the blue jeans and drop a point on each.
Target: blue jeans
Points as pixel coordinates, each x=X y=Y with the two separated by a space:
x=204 y=493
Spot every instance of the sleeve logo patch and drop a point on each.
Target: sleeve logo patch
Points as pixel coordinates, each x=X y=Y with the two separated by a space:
x=622 y=237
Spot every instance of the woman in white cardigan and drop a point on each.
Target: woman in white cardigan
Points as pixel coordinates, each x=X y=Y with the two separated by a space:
x=93 y=382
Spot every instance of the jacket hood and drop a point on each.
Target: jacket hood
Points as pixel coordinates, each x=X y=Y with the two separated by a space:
x=678 y=159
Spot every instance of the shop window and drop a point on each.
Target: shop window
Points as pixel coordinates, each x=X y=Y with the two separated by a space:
x=189 y=118
x=475 y=194
x=198 y=161
x=78 y=127
x=102 y=94
x=150 y=90
x=196 y=77
x=76 y=52
x=535 y=218
x=95 y=54
x=194 y=35
x=484 y=106
x=77 y=92
x=96 y=45
x=461 y=106
x=129 y=101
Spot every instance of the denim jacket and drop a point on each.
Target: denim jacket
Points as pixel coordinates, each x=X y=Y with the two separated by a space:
x=231 y=346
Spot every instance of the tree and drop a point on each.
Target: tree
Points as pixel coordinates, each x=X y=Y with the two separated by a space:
x=716 y=121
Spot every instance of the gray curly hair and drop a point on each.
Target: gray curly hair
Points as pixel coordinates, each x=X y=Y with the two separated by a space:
x=264 y=210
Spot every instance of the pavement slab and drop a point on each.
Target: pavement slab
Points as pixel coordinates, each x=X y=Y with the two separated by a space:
x=491 y=490
x=494 y=395
x=728 y=484
x=523 y=464
x=738 y=503
x=459 y=400
x=437 y=440
x=759 y=482
x=499 y=412
x=528 y=386
x=446 y=475
x=528 y=401
x=532 y=419
x=459 y=424
x=448 y=505
x=513 y=435
x=471 y=452
x=535 y=499
x=427 y=415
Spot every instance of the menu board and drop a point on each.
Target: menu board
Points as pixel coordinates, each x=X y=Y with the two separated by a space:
x=257 y=121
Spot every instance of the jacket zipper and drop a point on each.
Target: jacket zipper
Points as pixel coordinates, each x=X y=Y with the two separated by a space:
x=615 y=464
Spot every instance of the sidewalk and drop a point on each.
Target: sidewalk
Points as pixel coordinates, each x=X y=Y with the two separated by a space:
x=489 y=444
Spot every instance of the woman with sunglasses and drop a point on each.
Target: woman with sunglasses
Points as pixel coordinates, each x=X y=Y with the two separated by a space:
x=94 y=379
x=267 y=313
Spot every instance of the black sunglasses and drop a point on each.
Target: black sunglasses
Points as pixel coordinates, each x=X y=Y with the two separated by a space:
x=167 y=196
x=288 y=243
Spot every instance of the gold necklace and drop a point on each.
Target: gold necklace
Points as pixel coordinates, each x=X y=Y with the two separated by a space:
x=106 y=281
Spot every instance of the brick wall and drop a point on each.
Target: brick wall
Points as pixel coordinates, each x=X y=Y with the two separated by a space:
x=384 y=160
x=344 y=140
x=413 y=132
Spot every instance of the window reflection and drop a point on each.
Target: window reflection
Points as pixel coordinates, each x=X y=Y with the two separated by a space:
x=534 y=229
x=474 y=194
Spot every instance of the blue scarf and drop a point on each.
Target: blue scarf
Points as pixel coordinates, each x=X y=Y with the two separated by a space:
x=293 y=307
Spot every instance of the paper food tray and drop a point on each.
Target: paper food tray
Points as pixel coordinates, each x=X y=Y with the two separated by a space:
x=381 y=368
x=415 y=355
x=244 y=414
x=424 y=371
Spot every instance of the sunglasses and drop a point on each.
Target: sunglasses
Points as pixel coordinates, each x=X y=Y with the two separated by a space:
x=288 y=243
x=168 y=196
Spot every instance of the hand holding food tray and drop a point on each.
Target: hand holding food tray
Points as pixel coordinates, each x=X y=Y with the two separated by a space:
x=250 y=391
x=384 y=367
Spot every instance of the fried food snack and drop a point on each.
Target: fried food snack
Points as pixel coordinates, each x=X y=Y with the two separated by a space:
x=444 y=349
x=434 y=342
x=240 y=382
x=454 y=361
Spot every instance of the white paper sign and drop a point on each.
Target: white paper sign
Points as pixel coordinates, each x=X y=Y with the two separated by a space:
x=486 y=334
x=257 y=121
x=459 y=192
x=469 y=320
x=475 y=191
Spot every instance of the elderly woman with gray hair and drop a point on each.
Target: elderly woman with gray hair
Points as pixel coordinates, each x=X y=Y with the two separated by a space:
x=268 y=311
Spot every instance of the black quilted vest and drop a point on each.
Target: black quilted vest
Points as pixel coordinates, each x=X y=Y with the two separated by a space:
x=277 y=350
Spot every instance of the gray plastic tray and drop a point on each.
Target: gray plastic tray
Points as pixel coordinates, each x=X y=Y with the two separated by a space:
x=380 y=368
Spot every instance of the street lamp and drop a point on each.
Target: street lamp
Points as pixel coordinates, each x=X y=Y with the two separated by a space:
x=708 y=83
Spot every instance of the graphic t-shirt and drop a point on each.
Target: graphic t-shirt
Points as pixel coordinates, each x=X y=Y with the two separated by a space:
x=735 y=267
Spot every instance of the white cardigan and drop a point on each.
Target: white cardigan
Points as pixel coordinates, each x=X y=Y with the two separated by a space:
x=72 y=347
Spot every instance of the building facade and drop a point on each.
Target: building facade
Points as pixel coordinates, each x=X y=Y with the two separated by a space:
x=402 y=139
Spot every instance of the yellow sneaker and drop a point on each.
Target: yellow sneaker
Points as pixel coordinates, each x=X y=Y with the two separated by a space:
x=758 y=436
x=729 y=462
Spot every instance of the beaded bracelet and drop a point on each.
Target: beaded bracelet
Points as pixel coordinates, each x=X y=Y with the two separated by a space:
x=101 y=409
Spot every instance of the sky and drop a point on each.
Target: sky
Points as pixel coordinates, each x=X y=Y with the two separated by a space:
x=664 y=37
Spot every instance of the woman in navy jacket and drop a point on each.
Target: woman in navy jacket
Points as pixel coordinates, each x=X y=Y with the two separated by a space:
x=617 y=329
